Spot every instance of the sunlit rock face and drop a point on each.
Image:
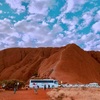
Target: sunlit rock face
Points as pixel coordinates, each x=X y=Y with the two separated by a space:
x=72 y=65
x=68 y=64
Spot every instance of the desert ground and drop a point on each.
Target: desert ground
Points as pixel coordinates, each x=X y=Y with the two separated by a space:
x=24 y=95
x=53 y=94
x=75 y=94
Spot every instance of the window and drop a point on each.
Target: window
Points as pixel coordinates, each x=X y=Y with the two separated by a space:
x=55 y=82
x=41 y=81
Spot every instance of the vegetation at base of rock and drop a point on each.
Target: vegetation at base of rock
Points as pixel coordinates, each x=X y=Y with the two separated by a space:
x=9 y=84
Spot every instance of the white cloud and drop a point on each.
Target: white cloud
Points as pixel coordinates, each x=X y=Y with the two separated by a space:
x=39 y=6
x=26 y=38
x=71 y=24
x=98 y=12
x=24 y=26
x=92 y=45
x=58 y=39
x=24 y=33
x=34 y=30
x=0 y=11
x=16 y=5
x=56 y=29
x=96 y=27
x=6 y=26
x=9 y=41
x=98 y=47
x=90 y=41
x=8 y=35
x=88 y=37
x=21 y=44
x=70 y=5
x=97 y=16
x=31 y=27
x=44 y=23
x=35 y=17
x=52 y=20
x=87 y=19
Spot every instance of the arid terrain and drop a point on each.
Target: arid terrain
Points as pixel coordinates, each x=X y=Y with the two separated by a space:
x=75 y=94
x=24 y=95
x=54 y=94
x=69 y=64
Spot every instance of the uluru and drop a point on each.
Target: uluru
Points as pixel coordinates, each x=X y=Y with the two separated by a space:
x=69 y=64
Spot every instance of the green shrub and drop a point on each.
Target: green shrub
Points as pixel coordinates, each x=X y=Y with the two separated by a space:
x=9 y=84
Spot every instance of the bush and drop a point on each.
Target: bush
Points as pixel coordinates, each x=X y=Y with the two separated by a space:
x=56 y=94
x=9 y=84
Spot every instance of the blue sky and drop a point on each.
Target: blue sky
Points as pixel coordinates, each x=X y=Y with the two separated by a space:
x=50 y=23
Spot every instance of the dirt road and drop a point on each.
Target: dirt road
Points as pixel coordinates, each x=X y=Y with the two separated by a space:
x=24 y=95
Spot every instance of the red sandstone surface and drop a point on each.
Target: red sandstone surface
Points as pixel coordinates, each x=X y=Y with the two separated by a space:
x=53 y=94
x=75 y=94
x=69 y=64
x=24 y=95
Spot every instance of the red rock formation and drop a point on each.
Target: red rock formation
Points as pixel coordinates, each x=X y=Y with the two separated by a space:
x=72 y=65
x=68 y=64
x=22 y=63
x=95 y=55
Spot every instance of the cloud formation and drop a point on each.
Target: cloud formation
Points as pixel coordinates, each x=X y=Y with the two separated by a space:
x=36 y=23
x=16 y=5
x=96 y=27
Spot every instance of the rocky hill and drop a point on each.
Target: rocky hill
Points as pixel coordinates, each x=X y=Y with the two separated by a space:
x=69 y=64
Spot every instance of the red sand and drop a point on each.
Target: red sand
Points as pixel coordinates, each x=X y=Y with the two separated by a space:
x=75 y=94
x=24 y=95
x=54 y=94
